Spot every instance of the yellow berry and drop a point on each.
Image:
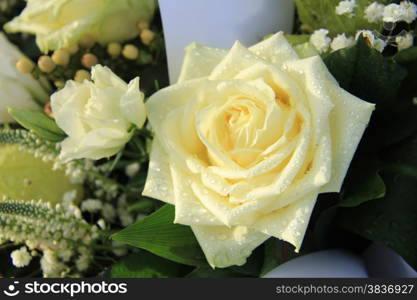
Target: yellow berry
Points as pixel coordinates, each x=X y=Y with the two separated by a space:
x=46 y=64
x=25 y=65
x=89 y=60
x=61 y=57
x=130 y=52
x=82 y=75
x=87 y=41
x=59 y=83
x=142 y=24
x=72 y=49
x=147 y=36
x=114 y=49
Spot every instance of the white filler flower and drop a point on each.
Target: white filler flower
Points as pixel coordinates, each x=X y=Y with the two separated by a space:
x=346 y=7
x=394 y=13
x=374 y=12
x=320 y=40
x=21 y=257
x=404 y=41
x=376 y=43
x=98 y=115
x=341 y=41
x=410 y=11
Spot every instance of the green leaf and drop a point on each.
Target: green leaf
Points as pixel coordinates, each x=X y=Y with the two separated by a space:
x=305 y=50
x=391 y=220
x=158 y=234
x=367 y=74
x=408 y=59
x=208 y=272
x=363 y=183
x=36 y=121
x=297 y=39
x=316 y=14
x=253 y=265
x=144 y=265
x=406 y=56
x=276 y=253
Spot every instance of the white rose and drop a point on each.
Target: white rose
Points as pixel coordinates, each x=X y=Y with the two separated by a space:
x=245 y=142
x=17 y=90
x=61 y=23
x=97 y=115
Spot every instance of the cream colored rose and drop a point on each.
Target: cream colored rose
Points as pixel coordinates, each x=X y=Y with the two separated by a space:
x=246 y=140
x=98 y=115
x=17 y=90
x=61 y=23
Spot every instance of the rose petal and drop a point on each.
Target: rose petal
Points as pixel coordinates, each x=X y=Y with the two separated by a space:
x=275 y=49
x=289 y=223
x=188 y=208
x=159 y=181
x=348 y=120
x=199 y=61
x=224 y=246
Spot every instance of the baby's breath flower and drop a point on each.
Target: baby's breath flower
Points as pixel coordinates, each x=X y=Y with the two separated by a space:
x=119 y=249
x=51 y=266
x=376 y=43
x=374 y=12
x=341 y=41
x=320 y=40
x=346 y=7
x=410 y=11
x=83 y=262
x=108 y=212
x=21 y=257
x=393 y=13
x=404 y=41
x=101 y=223
x=91 y=205
x=69 y=197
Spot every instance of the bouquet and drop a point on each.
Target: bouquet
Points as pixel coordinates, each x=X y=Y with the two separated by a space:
x=256 y=155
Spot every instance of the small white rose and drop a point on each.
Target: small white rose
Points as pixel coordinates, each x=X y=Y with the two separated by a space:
x=62 y=23
x=245 y=142
x=97 y=115
x=17 y=89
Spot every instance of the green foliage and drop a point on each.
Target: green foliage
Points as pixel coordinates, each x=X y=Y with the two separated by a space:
x=276 y=253
x=384 y=169
x=364 y=183
x=366 y=73
x=316 y=14
x=392 y=220
x=144 y=265
x=36 y=121
x=158 y=234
